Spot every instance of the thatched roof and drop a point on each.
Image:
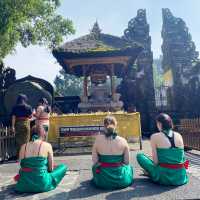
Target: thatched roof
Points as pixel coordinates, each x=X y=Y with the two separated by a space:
x=95 y=45
x=45 y=84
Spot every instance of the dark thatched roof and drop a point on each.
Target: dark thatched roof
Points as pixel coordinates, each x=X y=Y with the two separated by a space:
x=95 y=45
x=45 y=84
x=89 y=46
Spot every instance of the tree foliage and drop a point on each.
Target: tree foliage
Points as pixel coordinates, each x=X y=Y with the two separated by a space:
x=31 y=22
x=68 y=85
x=157 y=73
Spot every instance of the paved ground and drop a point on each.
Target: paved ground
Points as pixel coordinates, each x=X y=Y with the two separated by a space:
x=76 y=183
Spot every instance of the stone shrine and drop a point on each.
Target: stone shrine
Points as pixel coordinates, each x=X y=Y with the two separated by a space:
x=99 y=58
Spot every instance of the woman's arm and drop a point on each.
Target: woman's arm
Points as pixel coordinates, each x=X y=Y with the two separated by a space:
x=50 y=159
x=154 y=151
x=94 y=153
x=13 y=122
x=21 y=152
x=38 y=112
x=126 y=154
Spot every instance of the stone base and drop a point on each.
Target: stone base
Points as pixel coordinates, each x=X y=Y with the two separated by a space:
x=104 y=107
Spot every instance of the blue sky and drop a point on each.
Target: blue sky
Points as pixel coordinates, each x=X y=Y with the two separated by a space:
x=113 y=17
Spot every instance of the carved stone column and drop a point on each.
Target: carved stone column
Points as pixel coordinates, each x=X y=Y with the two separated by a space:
x=85 y=84
x=112 y=78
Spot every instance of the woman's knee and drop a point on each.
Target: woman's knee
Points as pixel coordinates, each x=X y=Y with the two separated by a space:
x=62 y=167
x=140 y=157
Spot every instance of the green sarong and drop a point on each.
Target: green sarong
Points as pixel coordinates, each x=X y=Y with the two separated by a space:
x=34 y=175
x=112 y=177
x=164 y=175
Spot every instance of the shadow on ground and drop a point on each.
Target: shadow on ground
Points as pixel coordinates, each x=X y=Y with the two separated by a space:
x=85 y=189
x=8 y=193
x=142 y=187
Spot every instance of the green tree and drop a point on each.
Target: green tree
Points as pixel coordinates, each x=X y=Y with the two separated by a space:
x=157 y=77
x=68 y=85
x=31 y=22
x=158 y=72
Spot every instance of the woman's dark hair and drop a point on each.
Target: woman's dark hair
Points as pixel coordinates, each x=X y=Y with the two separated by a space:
x=165 y=120
x=37 y=131
x=22 y=99
x=34 y=131
x=44 y=102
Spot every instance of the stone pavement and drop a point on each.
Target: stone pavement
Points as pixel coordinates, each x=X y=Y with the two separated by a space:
x=76 y=183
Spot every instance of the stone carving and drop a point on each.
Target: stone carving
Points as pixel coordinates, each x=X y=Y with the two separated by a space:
x=179 y=54
x=7 y=76
x=138 y=30
x=96 y=31
x=140 y=80
x=141 y=84
x=1 y=75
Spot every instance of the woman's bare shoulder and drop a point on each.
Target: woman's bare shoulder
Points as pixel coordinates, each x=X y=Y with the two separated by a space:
x=47 y=144
x=121 y=138
x=99 y=139
x=178 y=135
x=155 y=135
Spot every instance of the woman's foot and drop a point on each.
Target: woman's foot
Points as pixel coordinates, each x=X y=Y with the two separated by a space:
x=145 y=173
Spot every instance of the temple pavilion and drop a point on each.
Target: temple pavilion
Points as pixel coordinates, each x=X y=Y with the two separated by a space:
x=99 y=58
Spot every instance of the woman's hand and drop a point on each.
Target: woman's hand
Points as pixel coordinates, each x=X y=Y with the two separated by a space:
x=13 y=129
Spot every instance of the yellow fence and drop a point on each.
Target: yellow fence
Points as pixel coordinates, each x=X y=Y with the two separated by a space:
x=128 y=124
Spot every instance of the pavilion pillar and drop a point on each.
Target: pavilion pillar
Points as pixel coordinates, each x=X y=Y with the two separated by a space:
x=85 y=83
x=112 y=78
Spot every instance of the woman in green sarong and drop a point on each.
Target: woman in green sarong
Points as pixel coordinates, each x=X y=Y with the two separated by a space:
x=168 y=166
x=110 y=155
x=37 y=172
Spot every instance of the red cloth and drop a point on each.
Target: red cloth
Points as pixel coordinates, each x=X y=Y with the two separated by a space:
x=175 y=166
x=103 y=164
x=26 y=169
x=106 y=165
x=43 y=118
x=22 y=118
x=16 y=178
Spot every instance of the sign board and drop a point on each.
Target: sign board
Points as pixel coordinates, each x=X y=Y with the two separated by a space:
x=128 y=126
x=67 y=131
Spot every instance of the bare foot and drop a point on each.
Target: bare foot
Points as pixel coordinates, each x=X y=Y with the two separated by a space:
x=145 y=173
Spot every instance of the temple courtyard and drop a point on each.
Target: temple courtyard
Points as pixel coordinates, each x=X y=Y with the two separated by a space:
x=76 y=183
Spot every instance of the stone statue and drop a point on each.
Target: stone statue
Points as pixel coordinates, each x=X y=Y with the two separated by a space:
x=7 y=76
x=1 y=75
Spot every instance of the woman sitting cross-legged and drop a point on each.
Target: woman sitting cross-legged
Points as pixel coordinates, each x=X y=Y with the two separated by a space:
x=169 y=165
x=110 y=155
x=37 y=173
